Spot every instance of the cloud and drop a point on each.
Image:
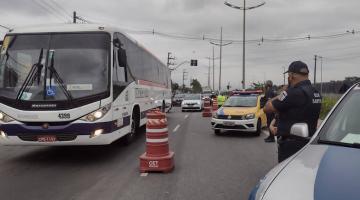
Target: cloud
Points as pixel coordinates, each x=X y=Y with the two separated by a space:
x=277 y=19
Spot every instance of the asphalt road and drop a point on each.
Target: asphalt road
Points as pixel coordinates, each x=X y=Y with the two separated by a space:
x=206 y=167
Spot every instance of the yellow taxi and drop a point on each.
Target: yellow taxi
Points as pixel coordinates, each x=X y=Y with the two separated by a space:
x=242 y=111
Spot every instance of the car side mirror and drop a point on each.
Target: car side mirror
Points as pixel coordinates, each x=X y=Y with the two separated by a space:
x=300 y=129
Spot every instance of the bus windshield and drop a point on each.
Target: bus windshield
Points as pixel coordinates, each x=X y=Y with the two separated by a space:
x=54 y=67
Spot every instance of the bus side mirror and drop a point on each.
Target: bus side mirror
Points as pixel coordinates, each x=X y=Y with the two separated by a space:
x=122 y=58
x=117 y=43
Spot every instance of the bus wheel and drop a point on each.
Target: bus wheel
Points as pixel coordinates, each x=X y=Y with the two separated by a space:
x=134 y=127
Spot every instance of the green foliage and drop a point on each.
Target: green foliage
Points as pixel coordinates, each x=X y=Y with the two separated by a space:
x=327 y=104
x=174 y=86
x=256 y=86
x=196 y=86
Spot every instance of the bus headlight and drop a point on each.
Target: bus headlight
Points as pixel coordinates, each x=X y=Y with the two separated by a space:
x=98 y=114
x=250 y=116
x=5 y=118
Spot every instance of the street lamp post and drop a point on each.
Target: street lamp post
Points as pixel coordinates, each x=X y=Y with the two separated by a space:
x=213 y=70
x=244 y=8
x=220 y=45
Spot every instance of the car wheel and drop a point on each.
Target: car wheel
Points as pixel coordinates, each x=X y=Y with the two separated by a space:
x=258 y=128
x=217 y=131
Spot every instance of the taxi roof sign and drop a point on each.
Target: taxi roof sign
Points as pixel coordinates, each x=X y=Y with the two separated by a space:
x=245 y=92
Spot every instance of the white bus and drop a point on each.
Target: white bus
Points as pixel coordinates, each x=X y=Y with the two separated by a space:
x=76 y=84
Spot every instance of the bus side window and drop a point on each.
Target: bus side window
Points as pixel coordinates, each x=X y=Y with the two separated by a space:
x=119 y=68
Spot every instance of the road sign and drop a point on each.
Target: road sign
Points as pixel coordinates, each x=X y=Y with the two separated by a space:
x=193 y=63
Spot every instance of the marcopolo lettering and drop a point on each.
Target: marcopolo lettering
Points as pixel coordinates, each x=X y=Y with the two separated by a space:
x=43 y=106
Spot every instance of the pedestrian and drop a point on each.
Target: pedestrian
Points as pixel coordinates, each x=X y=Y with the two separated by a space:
x=300 y=103
x=269 y=94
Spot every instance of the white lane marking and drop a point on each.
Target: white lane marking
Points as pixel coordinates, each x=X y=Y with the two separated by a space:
x=186 y=116
x=144 y=174
x=176 y=128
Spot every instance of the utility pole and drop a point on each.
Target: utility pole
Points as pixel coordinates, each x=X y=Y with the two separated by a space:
x=169 y=63
x=209 y=71
x=315 y=70
x=220 y=45
x=169 y=58
x=321 y=83
x=244 y=10
x=220 y=59
x=74 y=17
x=213 y=84
x=284 y=75
x=185 y=73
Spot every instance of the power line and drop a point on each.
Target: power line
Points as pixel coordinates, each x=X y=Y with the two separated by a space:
x=55 y=10
x=204 y=37
x=56 y=4
x=48 y=11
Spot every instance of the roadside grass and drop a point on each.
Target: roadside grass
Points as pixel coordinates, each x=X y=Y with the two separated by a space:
x=328 y=103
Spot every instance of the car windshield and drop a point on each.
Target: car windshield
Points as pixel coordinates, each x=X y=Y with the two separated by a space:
x=179 y=96
x=192 y=97
x=52 y=67
x=343 y=125
x=241 y=101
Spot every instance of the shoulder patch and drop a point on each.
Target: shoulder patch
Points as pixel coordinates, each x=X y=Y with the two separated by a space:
x=283 y=96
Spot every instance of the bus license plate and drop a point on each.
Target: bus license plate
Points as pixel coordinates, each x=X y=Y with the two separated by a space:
x=46 y=138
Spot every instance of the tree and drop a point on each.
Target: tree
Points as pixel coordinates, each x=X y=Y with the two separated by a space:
x=174 y=86
x=196 y=86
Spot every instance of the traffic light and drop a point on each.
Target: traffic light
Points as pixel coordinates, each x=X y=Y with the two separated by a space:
x=193 y=63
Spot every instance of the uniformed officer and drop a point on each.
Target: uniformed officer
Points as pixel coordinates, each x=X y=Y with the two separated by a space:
x=300 y=103
x=269 y=94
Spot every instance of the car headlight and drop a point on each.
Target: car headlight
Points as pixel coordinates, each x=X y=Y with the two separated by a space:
x=250 y=116
x=5 y=118
x=98 y=114
x=215 y=115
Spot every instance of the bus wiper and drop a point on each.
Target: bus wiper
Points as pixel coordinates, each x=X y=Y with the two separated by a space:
x=35 y=69
x=57 y=77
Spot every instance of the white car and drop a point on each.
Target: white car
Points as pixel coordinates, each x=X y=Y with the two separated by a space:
x=192 y=102
x=327 y=168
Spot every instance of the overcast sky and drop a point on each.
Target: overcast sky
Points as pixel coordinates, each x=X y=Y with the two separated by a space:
x=276 y=19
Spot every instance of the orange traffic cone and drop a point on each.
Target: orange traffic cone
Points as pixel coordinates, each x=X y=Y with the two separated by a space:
x=207 y=108
x=215 y=104
x=157 y=156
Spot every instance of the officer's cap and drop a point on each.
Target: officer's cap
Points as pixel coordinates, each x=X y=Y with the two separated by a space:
x=298 y=67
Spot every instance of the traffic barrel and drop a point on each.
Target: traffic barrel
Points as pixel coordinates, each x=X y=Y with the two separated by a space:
x=215 y=104
x=207 y=108
x=157 y=157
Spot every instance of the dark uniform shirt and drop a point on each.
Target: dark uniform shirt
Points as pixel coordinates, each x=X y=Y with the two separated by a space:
x=298 y=104
x=269 y=94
